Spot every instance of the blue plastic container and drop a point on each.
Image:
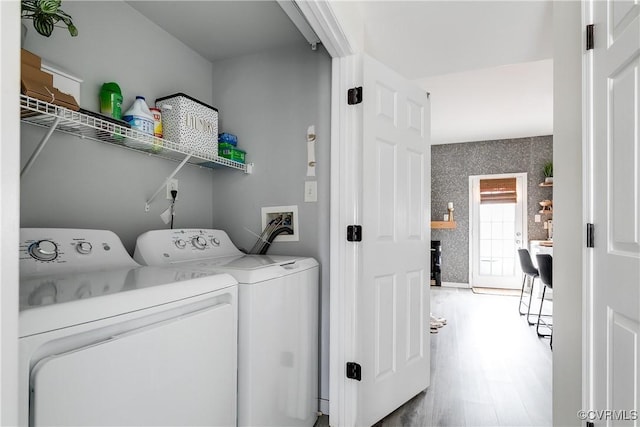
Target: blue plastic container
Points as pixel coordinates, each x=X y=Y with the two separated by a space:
x=229 y=138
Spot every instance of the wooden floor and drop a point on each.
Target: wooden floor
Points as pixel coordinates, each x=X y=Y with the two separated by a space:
x=488 y=367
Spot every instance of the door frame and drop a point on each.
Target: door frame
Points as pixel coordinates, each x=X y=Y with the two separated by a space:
x=587 y=214
x=9 y=209
x=525 y=234
x=346 y=170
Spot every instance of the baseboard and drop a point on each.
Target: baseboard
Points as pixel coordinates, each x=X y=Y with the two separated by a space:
x=456 y=285
x=324 y=406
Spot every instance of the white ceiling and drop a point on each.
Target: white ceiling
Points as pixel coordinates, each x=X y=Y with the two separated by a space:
x=430 y=38
x=223 y=29
x=487 y=64
x=511 y=101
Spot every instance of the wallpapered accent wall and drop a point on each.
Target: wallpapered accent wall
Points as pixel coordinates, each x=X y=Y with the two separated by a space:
x=451 y=166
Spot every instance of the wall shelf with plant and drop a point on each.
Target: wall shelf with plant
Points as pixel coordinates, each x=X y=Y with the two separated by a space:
x=547 y=170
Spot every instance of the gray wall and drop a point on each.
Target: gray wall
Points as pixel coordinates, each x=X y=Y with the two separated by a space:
x=268 y=100
x=451 y=166
x=77 y=183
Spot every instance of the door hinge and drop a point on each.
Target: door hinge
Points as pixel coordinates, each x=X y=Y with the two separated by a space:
x=354 y=95
x=354 y=233
x=590 y=237
x=590 y=42
x=354 y=371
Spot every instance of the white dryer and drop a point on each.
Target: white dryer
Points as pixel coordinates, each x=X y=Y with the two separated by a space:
x=278 y=320
x=105 y=341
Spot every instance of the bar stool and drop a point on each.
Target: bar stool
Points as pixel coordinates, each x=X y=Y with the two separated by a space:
x=545 y=267
x=529 y=272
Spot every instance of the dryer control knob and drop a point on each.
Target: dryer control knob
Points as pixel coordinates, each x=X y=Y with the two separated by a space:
x=199 y=242
x=43 y=250
x=84 y=248
x=215 y=241
x=181 y=244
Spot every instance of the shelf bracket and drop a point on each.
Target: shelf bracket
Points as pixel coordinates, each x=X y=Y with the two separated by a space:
x=147 y=205
x=40 y=146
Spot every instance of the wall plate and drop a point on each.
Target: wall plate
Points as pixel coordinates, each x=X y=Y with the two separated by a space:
x=268 y=213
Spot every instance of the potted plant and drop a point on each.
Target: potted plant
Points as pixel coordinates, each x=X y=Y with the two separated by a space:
x=45 y=15
x=548 y=172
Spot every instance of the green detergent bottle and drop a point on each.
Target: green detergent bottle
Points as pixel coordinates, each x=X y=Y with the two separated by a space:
x=111 y=100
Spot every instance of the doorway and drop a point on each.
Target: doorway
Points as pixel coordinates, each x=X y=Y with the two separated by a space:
x=498 y=206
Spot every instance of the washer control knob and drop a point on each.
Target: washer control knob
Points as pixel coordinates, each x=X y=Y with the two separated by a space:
x=181 y=244
x=84 y=248
x=199 y=242
x=43 y=250
x=215 y=241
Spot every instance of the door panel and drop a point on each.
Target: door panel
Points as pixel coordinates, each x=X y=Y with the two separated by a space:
x=386 y=189
x=415 y=194
x=623 y=354
x=614 y=289
x=623 y=146
x=415 y=314
x=386 y=333
x=393 y=294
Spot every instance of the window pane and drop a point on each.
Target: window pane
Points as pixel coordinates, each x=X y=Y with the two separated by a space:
x=485 y=268
x=485 y=248
x=496 y=267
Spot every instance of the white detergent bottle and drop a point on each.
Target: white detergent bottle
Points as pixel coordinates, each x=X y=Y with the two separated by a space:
x=140 y=118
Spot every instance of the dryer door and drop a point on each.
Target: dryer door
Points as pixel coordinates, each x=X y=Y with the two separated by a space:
x=181 y=371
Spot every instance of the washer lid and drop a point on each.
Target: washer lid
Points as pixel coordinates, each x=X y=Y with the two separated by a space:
x=63 y=300
x=251 y=262
x=252 y=268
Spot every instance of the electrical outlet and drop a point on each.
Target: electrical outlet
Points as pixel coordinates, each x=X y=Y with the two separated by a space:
x=171 y=185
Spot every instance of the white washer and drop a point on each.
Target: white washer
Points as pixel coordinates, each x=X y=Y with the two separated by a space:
x=105 y=341
x=278 y=321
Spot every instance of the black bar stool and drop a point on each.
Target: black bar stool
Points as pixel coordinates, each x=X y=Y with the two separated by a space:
x=529 y=272
x=545 y=267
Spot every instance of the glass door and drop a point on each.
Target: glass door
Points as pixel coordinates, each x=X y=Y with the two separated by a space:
x=497 y=229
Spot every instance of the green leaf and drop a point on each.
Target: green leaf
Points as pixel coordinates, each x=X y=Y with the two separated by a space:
x=29 y=5
x=49 y=6
x=72 y=30
x=43 y=24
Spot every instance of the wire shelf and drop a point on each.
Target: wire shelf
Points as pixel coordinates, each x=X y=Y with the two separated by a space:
x=44 y=114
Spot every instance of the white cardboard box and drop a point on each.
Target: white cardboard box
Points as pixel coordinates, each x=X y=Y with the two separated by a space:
x=63 y=80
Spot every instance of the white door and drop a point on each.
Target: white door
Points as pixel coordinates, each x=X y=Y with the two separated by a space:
x=393 y=294
x=614 y=290
x=497 y=231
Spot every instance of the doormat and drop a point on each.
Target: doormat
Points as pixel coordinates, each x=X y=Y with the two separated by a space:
x=497 y=291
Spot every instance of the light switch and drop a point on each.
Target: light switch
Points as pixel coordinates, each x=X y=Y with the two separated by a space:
x=536 y=218
x=311 y=191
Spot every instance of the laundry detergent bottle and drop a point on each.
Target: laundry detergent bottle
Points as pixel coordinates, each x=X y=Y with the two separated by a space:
x=140 y=118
